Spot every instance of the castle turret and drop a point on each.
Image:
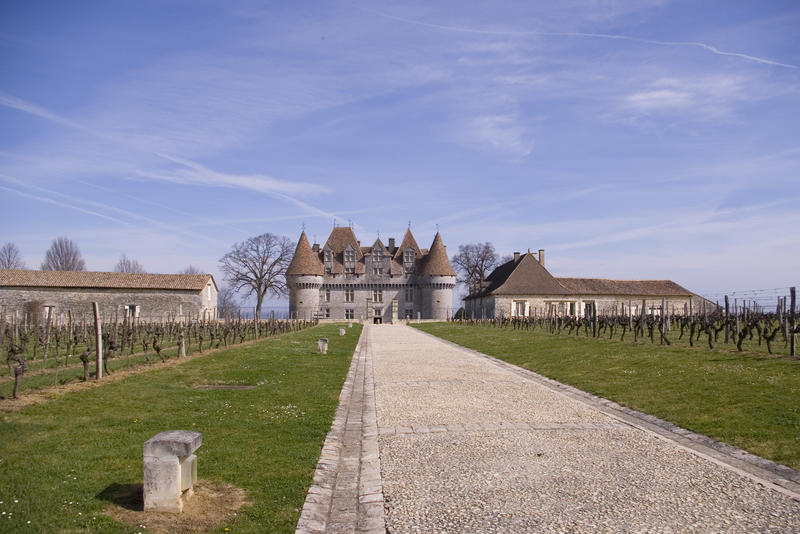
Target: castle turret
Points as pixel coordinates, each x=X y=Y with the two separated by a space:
x=304 y=278
x=437 y=280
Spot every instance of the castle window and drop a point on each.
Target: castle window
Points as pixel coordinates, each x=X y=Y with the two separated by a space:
x=328 y=255
x=377 y=295
x=409 y=294
x=327 y=294
x=408 y=260
x=349 y=260
x=348 y=314
x=327 y=313
x=348 y=295
x=409 y=313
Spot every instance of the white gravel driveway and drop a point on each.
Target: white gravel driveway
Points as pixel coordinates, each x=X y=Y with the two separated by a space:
x=469 y=446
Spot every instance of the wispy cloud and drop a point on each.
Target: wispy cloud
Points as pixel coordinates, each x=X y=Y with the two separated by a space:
x=62 y=204
x=501 y=133
x=27 y=107
x=702 y=95
x=619 y=37
x=193 y=173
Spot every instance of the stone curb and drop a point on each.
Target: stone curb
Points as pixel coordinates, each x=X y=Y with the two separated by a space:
x=347 y=493
x=766 y=472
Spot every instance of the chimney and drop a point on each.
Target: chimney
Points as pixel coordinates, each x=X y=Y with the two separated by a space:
x=541 y=257
x=391 y=243
x=315 y=247
x=516 y=258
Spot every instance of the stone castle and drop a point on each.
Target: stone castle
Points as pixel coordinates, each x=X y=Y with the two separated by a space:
x=381 y=283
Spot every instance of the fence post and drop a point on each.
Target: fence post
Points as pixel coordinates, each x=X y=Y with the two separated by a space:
x=727 y=312
x=98 y=340
x=793 y=297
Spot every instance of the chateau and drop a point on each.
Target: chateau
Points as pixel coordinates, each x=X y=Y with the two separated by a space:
x=380 y=283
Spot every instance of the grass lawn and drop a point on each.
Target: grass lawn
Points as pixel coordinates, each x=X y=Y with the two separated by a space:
x=749 y=400
x=58 y=459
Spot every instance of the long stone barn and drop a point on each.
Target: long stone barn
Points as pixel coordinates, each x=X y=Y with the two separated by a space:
x=523 y=287
x=31 y=295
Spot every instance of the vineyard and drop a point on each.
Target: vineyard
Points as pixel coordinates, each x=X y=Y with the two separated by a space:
x=57 y=352
x=749 y=327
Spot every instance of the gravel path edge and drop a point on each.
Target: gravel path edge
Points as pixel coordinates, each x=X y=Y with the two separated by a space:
x=347 y=492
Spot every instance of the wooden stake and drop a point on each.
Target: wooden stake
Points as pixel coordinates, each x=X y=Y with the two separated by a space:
x=98 y=340
x=792 y=304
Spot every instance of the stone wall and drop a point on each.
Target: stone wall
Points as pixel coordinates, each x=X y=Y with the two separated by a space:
x=538 y=306
x=152 y=303
x=329 y=298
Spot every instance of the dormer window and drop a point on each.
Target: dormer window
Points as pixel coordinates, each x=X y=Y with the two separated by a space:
x=328 y=255
x=408 y=260
x=349 y=260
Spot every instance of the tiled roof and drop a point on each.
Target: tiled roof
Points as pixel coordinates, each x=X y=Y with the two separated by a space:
x=304 y=261
x=527 y=276
x=436 y=262
x=408 y=242
x=89 y=279
x=644 y=288
x=340 y=237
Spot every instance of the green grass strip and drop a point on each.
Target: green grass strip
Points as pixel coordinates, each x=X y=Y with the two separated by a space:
x=750 y=401
x=57 y=458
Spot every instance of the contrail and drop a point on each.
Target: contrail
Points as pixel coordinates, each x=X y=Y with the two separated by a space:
x=704 y=46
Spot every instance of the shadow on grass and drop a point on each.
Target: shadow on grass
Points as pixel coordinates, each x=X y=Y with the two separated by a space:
x=128 y=496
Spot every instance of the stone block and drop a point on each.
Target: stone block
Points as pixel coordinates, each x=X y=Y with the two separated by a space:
x=170 y=469
x=173 y=443
x=322 y=345
x=341 y=331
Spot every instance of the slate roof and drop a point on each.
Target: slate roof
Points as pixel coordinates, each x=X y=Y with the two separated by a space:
x=436 y=262
x=91 y=280
x=305 y=261
x=529 y=277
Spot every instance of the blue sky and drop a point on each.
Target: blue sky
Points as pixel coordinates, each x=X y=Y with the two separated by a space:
x=641 y=139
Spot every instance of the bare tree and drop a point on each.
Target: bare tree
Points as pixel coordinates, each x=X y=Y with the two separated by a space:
x=258 y=265
x=63 y=255
x=474 y=262
x=10 y=258
x=226 y=301
x=191 y=269
x=128 y=265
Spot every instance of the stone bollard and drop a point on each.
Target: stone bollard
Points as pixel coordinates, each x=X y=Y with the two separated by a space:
x=322 y=345
x=170 y=469
x=350 y=324
x=341 y=331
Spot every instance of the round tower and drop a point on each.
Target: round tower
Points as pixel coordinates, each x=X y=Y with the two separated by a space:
x=304 y=279
x=437 y=280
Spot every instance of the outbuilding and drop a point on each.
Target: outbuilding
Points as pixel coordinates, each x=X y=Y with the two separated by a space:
x=523 y=287
x=146 y=297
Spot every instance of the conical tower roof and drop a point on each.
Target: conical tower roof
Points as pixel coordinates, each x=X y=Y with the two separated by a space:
x=304 y=262
x=436 y=262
